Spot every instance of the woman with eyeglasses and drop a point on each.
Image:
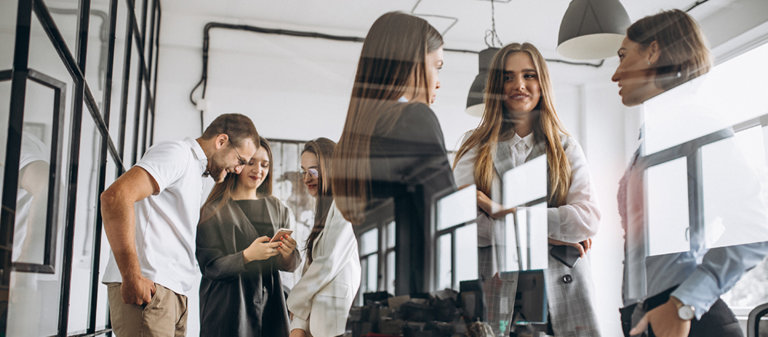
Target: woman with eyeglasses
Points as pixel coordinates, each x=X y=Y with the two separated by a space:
x=321 y=300
x=241 y=292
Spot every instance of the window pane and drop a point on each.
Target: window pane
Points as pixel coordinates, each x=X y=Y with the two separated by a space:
x=391 y=235
x=373 y=273
x=65 y=14
x=5 y=105
x=734 y=182
x=369 y=242
x=457 y=208
x=466 y=254
x=98 y=37
x=364 y=277
x=117 y=76
x=288 y=186
x=85 y=217
x=526 y=234
x=667 y=205
x=101 y=304
x=525 y=183
x=130 y=116
x=509 y=248
x=705 y=104
x=390 y=279
x=538 y=231
x=444 y=271
x=7 y=33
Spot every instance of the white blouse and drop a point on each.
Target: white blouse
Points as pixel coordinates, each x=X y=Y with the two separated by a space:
x=575 y=221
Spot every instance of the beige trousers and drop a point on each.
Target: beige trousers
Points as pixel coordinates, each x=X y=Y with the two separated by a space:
x=164 y=316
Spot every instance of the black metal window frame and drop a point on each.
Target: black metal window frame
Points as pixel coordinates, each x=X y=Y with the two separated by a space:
x=146 y=40
x=378 y=219
x=691 y=151
x=59 y=91
x=451 y=231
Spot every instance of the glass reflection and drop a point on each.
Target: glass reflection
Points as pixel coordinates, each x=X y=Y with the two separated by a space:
x=668 y=216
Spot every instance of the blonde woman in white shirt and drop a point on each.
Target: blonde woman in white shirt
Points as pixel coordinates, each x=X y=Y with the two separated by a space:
x=520 y=123
x=320 y=301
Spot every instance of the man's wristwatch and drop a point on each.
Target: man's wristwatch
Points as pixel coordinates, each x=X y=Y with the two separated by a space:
x=684 y=312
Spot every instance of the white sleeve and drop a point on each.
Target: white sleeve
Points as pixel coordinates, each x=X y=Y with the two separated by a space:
x=165 y=162
x=339 y=248
x=464 y=172
x=579 y=218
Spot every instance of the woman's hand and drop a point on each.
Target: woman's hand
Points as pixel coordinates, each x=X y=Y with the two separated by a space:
x=492 y=208
x=298 y=333
x=260 y=249
x=286 y=247
x=583 y=246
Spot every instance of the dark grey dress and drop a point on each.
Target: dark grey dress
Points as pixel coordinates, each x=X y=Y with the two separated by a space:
x=409 y=165
x=239 y=299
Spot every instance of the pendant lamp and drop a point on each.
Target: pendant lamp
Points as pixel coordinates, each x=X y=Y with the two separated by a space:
x=475 y=98
x=592 y=29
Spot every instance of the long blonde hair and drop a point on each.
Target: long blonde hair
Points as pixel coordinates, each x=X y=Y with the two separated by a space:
x=393 y=54
x=222 y=192
x=546 y=127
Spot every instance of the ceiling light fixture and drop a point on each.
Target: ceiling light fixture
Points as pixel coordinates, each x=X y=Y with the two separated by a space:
x=592 y=29
x=476 y=96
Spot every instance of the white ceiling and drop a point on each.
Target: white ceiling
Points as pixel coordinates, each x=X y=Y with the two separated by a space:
x=535 y=21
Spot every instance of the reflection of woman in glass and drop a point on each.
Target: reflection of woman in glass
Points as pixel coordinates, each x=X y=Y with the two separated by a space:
x=392 y=146
x=519 y=124
x=681 y=296
x=241 y=293
x=321 y=300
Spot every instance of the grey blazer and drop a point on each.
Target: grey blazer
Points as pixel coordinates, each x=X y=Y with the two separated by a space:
x=569 y=290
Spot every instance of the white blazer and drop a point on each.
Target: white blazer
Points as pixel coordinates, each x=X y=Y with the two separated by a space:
x=321 y=300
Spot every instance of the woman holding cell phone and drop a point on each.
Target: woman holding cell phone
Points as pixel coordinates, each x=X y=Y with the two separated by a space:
x=320 y=301
x=240 y=255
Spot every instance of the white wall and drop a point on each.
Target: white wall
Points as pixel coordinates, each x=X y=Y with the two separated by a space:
x=298 y=88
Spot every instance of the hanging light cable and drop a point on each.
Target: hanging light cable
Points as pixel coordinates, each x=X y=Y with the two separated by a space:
x=476 y=96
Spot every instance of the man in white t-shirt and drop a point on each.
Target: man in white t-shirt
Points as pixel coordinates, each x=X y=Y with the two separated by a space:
x=150 y=217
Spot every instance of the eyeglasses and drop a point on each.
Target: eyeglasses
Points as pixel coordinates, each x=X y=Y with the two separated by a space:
x=240 y=158
x=312 y=173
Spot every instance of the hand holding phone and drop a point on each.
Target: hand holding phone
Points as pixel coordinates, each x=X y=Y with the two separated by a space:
x=280 y=233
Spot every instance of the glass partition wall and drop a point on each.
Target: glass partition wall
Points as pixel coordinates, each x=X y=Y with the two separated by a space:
x=77 y=83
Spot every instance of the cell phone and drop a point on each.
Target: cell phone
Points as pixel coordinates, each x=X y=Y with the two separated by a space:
x=568 y=255
x=280 y=233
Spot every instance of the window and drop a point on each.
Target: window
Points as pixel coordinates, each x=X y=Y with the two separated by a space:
x=456 y=239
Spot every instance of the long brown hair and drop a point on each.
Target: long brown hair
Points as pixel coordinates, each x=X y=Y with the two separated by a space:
x=546 y=126
x=683 y=49
x=392 y=58
x=322 y=148
x=222 y=192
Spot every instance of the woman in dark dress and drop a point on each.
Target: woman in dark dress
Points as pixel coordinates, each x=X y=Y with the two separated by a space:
x=392 y=146
x=241 y=293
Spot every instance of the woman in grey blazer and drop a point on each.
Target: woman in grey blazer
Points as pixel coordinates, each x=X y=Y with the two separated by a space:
x=241 y=293
x=520 y=123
